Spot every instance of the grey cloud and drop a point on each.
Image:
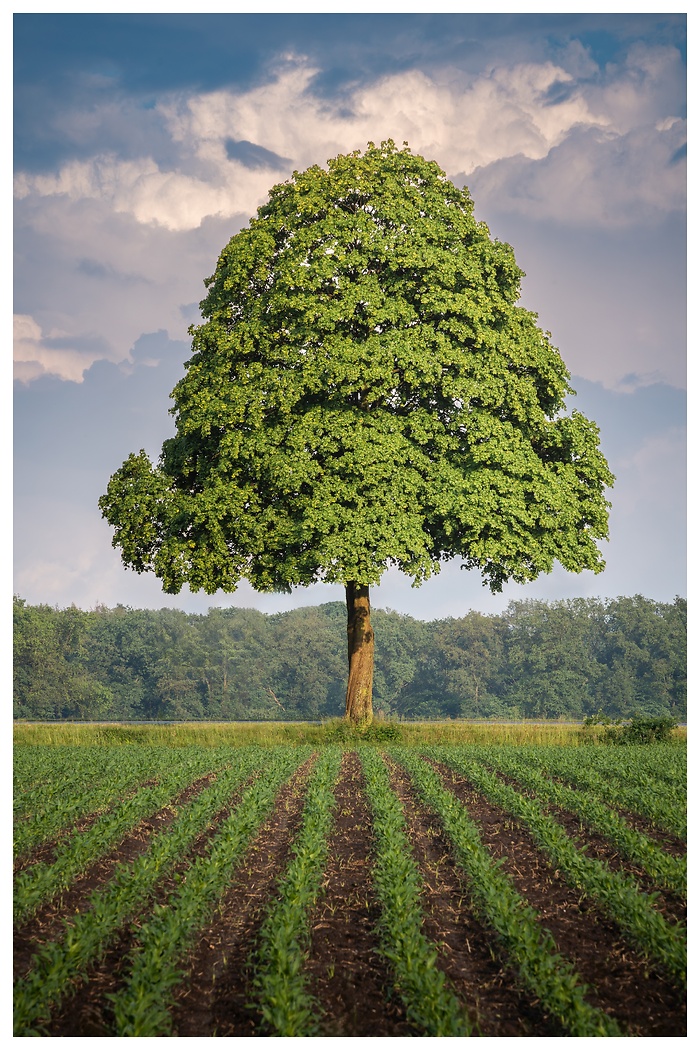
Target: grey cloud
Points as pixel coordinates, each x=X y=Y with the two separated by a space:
x=560 y=91
x=680 y=155
x=100 y=271
x=89 y=345
x=592 y=177
x=255 y=157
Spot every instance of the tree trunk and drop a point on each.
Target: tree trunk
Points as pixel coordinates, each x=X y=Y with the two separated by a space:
x=358 y=699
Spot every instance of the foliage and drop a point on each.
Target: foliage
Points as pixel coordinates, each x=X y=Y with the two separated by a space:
x=342 y=732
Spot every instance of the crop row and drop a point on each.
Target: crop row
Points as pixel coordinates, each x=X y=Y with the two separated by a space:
x=92 y=791
x=529 y=946
x=664 y=869
x=284 y=1000
x=141 y=1007
x=429 y=1003
x=634 y=790
x=42 y=881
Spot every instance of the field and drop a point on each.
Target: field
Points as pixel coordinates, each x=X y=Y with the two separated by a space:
x=348 y=887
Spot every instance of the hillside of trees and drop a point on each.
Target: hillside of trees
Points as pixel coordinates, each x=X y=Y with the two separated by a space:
x=538 y=659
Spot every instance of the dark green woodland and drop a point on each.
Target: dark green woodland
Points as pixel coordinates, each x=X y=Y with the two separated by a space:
x=568 y=659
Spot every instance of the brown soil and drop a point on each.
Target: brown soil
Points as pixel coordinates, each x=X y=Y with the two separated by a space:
x=48 y=921
x=671 y=843
x=621 y=981
x=597 y=847
x=348 y=977
x=88 y=1012
x=216 y=999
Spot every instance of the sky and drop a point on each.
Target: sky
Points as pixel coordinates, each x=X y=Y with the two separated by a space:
x=144 y=142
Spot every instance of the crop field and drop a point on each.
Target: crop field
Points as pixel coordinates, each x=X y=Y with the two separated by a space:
x=350 y=889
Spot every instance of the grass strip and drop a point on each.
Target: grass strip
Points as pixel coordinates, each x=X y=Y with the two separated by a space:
x=617 y=895
x=430 y=1006
x=286 y=1005
x=60 y=965
x=530 y=947
x=667 y=871
x=142 y=1007
x=42 y=882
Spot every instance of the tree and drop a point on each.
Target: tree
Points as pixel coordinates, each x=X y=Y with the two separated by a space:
x=364 y=392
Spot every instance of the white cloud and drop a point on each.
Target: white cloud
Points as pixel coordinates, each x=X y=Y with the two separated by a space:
x=34 y=358
x=594 y=176
x=525 y=111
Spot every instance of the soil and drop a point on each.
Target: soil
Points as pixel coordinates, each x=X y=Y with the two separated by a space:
x=348 y=977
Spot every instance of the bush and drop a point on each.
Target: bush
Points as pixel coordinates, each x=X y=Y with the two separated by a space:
x=634 y=730
x=338 y=731
x=645 y=731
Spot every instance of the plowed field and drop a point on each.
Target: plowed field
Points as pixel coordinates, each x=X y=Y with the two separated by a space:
x=494 y=891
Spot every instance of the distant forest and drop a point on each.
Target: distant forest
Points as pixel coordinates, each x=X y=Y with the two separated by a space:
x=538 y=659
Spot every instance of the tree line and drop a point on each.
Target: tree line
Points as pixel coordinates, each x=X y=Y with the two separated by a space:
x=623 y=657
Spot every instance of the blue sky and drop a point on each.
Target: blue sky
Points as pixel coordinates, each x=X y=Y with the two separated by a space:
x=143 y=142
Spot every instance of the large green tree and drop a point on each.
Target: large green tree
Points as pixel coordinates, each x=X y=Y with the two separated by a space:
x=365 y=392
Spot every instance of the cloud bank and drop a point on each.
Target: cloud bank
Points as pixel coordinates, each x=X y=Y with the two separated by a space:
x=124 y=240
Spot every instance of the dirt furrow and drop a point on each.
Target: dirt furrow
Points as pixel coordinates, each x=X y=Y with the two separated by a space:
x=622 y=982
x=596 y=846
x=89 y=1011
x=348 y=977
x=216 y=997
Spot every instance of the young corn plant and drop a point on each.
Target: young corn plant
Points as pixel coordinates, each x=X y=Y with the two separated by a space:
x=667 y=871
x=63 y=964
x=617 y=895
x=632 y=790
x=283 y=998
x=430 y=1006
x=41 y=882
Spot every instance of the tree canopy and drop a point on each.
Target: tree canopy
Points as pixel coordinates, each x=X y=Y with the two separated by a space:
x=364 y=391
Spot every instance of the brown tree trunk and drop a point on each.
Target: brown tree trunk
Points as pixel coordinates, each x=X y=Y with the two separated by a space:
x=358 y=699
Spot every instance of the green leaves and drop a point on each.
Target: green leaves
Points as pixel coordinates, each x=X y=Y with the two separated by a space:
x=363 y=392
